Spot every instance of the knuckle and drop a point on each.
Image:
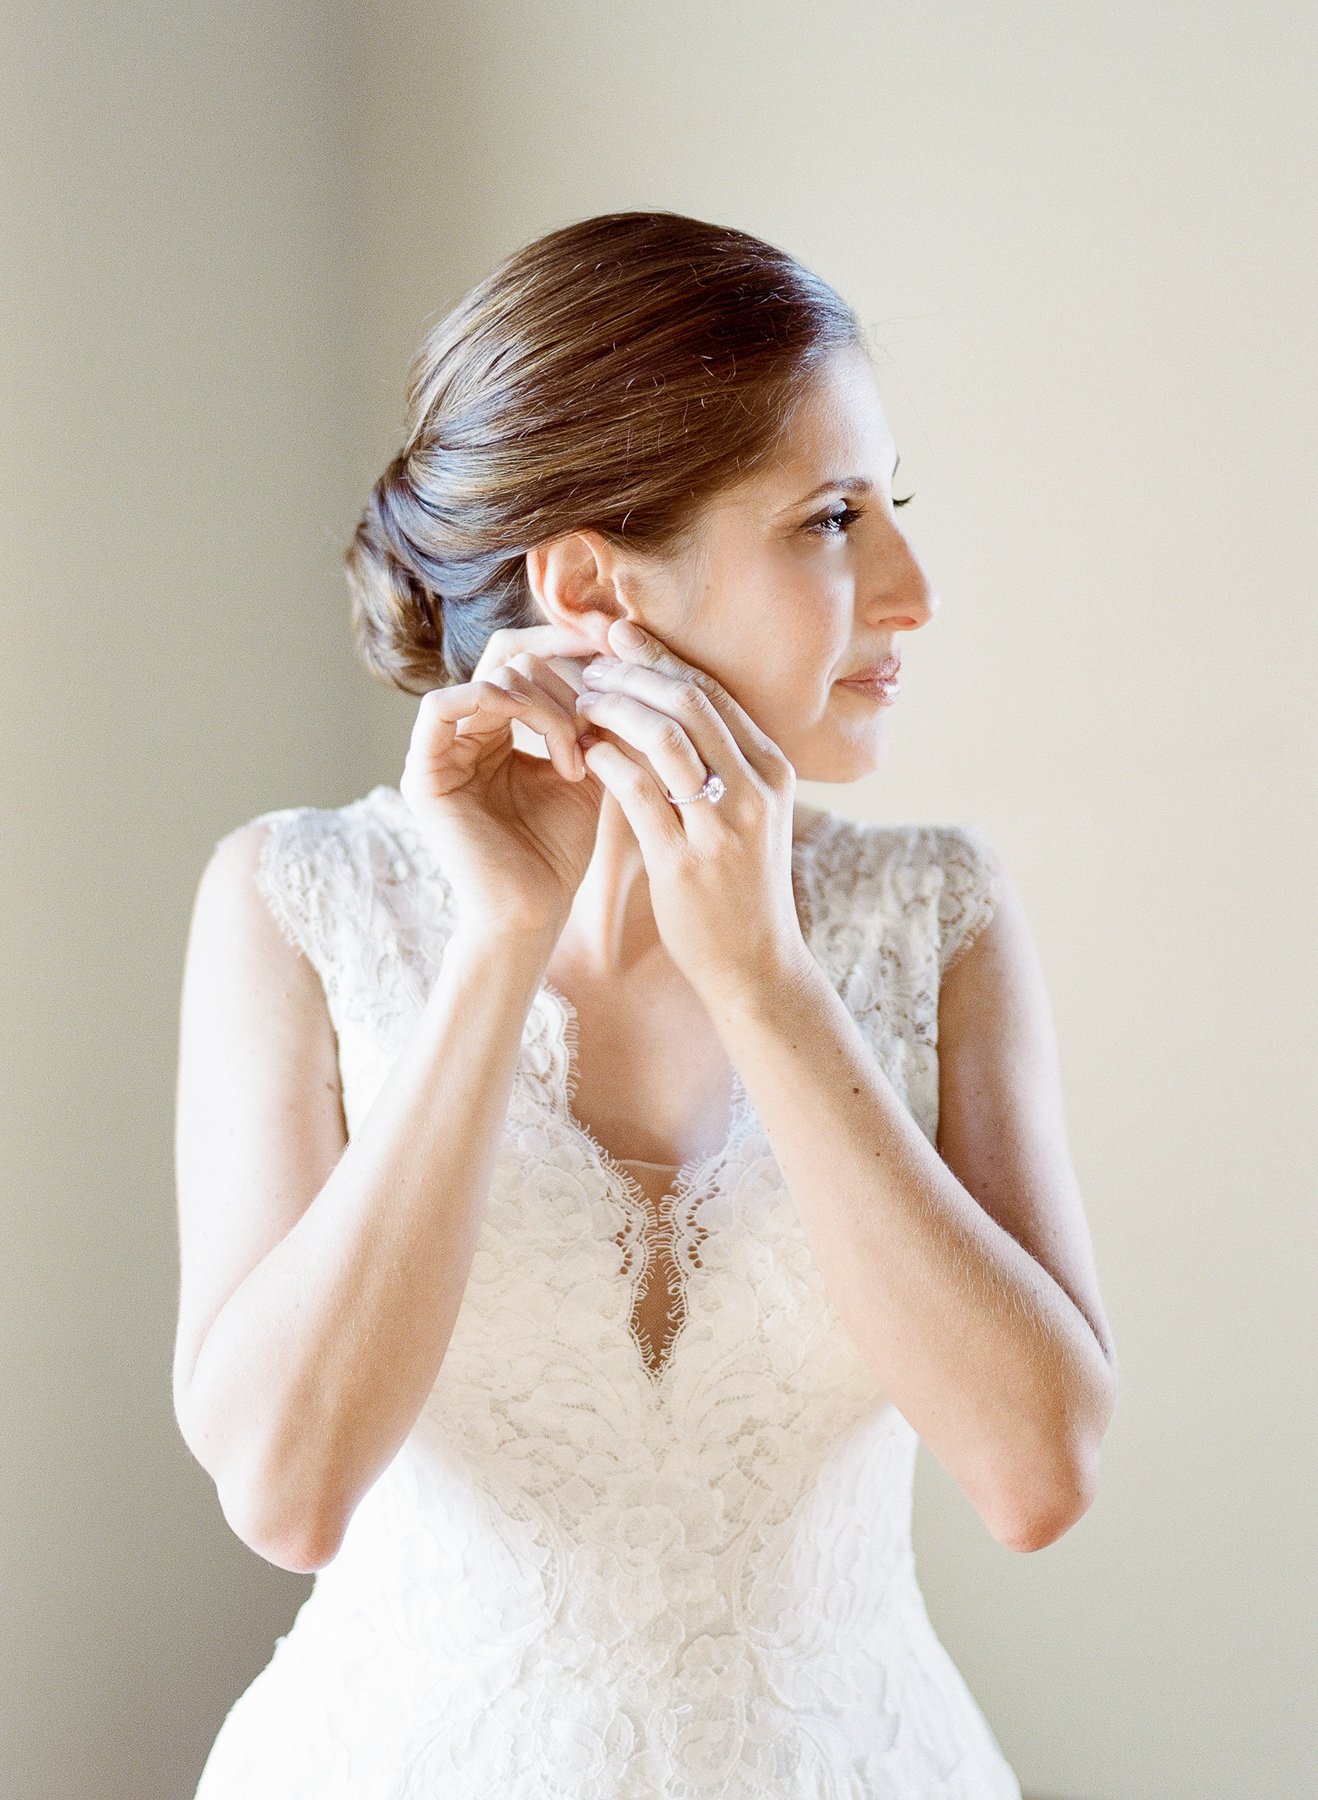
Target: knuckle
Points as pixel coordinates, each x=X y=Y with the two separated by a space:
x=671 y=737
x=758 y=796
x=497 y=649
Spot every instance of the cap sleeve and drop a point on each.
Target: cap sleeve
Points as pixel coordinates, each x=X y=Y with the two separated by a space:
x=311 y=877
x=351 y=888
x=292 y=879
x=970 y=891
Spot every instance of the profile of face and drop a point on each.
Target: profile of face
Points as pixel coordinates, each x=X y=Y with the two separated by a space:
x=800 y=578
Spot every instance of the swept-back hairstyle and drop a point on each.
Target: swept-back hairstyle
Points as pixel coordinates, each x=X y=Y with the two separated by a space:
x=615 y=374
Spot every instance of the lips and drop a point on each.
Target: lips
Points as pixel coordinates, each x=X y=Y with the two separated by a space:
x=885 y=671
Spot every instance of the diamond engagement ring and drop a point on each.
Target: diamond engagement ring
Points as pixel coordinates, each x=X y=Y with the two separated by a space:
x=713 y=789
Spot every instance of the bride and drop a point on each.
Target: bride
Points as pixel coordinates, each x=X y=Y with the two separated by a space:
x=597 y=1171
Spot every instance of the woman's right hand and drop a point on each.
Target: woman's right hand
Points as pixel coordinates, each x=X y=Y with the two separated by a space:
x=514 y=833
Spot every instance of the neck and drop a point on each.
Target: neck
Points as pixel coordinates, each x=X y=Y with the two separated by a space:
x=611 y=925
x=611 y=928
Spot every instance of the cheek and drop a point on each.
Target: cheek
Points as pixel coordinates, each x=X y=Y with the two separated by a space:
x=788 y=696
x=781 y=639
x=809 y=655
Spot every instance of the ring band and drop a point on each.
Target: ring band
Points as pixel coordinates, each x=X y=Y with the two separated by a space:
x=713 y=789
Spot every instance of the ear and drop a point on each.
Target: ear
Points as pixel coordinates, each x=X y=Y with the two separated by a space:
x=579 y=581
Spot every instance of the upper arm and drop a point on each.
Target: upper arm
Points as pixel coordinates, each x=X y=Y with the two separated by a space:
x=1001 y=1126
x=259 y=1119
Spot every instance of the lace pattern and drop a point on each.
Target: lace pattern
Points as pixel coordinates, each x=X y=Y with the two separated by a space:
x=970 y=892
x=578 y=1578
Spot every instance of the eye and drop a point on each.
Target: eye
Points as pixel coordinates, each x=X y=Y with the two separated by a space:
x=844 y=520
x=838 y=524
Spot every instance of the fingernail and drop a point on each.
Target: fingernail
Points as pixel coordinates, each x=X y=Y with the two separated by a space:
x=623 y=632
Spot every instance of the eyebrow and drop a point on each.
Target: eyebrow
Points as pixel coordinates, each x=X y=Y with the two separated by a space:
x=859 y=484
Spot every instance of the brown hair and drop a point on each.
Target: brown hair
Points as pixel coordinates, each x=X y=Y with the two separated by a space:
x=615 y=374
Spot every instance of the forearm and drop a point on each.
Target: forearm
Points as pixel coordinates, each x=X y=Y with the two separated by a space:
x=317 y=1367
x=974 y=1341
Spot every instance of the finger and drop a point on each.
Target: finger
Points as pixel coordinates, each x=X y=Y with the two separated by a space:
x=679 y=705
x=430 y=762
x=545 y=675
x=660 y=738
x=541 y=640
x=657 y=826
x=723 y=722
x=482 y=709
x=554 y=720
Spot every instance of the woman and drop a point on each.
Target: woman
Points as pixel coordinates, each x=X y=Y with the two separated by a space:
x=596 y=1169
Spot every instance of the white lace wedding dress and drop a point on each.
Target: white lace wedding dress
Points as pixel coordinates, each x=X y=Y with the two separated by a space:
x=591 y=1572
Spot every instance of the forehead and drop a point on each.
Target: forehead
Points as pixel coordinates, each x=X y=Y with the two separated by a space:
x=838 y=429
x=841 y=416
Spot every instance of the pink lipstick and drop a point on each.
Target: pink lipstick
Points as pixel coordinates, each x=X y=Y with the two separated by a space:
x=879 y=681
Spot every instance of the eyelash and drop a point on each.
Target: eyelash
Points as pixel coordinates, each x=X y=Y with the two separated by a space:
x=849 y=514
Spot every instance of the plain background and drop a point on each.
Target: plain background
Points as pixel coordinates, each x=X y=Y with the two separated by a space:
x=1083 y=240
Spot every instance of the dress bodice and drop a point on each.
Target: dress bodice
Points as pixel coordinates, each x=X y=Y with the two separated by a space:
x=583 y=1576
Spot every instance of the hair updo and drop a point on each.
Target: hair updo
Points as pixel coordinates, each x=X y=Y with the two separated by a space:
x=614 y=375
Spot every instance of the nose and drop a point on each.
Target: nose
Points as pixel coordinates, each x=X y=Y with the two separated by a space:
x=906 y=598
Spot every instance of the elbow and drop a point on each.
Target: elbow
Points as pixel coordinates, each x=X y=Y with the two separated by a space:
x=1033 y=1519
x=1041 y=1523
x=300 y=1537
x=294 y=1530
x=301 y=1545
x=1065 y=1475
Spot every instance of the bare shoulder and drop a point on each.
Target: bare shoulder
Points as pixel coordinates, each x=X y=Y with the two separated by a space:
x=240 y=961
x=259 y=1118
x=1002 y=1125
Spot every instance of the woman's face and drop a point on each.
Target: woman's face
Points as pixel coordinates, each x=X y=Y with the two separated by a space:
x=790 y=589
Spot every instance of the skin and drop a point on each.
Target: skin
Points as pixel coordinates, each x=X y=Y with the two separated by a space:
x=776 y=603
x=966 y=1274
x=321 y=1275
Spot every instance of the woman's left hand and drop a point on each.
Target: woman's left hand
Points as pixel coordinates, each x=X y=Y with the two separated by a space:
x=720 y=872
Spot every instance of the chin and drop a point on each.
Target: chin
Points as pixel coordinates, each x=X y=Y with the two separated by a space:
x=850 y=760
x=839 y=772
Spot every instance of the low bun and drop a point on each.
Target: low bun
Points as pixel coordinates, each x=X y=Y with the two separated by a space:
x=613 y=375
x=397 y=616
x=425 y=603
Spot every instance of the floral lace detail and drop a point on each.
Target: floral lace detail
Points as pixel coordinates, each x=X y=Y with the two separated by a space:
x=578 y=1580
x=970 y=892
x=677 y=1232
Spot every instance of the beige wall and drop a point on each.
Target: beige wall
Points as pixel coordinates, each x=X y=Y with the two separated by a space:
x=177 y=470
x=1082 y=239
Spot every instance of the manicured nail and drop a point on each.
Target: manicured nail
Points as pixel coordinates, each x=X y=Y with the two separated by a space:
x=623 y=632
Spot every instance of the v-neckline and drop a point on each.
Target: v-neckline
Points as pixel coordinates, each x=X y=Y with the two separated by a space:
x=692 y=1180
x=567 y=1032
